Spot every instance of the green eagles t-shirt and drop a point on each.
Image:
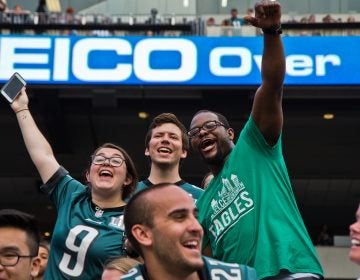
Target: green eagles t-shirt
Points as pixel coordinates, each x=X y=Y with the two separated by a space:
x=249 y=213
x=83 y=238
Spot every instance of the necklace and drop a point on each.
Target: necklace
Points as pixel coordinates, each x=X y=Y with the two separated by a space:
x=99 y=212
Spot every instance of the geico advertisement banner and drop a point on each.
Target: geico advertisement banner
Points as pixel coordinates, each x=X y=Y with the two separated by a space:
x=175 y=60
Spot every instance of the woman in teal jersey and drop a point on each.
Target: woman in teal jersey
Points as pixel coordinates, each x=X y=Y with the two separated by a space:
x=89 y=227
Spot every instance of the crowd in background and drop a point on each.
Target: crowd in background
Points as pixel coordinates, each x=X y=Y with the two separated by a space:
x=229 y=25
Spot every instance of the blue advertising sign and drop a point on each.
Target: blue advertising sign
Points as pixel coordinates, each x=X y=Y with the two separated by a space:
x=234 y=61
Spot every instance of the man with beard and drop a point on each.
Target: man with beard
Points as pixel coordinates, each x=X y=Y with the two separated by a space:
x=167 y=144
x=248 y=210
x=161 y=224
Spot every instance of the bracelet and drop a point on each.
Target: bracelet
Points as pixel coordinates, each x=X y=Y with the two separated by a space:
x=22 y=110
x=273 y=31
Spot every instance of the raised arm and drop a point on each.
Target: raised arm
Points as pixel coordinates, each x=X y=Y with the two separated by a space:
x=37 y=146
x=267 y=107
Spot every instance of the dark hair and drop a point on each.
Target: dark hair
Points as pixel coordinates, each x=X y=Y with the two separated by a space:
x=23 y=221
x=139 y=210
x=45 y=244
x=167 y=118
x=220 y=117
x=130 y=167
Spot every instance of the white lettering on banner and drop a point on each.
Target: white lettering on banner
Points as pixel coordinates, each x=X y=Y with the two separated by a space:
x=8 y=57
x=321 y=61
x=303 y=65
x=142 y=63
x=71 y=58
x=61 y=59
x=218 y=70
x=80 y=66
x=299 y=65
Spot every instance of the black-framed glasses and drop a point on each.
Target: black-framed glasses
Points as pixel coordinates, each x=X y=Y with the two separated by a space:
x=207 y=126
x=11 y=259
x=113 y=161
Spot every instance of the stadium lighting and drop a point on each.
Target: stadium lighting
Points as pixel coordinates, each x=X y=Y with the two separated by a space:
x=224 y=3
x=186 y=3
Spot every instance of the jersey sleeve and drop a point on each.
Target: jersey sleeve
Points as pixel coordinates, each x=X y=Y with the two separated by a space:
x=61 y=186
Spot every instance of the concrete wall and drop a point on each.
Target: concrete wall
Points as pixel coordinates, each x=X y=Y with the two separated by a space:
x=336 y=263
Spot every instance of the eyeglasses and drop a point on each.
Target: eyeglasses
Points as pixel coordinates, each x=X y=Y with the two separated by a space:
x=208 y=126
x=11 y=259
x=113 y=161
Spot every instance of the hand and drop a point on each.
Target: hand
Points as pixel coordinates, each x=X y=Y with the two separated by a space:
x=267 y=15
x=21 y=102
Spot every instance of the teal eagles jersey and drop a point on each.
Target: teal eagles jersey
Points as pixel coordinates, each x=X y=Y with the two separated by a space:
x=192 y=190
x=83 y=238
x=212 y=269
x=249 y=212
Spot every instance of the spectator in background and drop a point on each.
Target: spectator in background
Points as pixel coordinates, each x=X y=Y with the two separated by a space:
x=118 y=266
x=42 y=7
x=42 y=16
x=328 y=19
x=167 y=145
x=2 y=10
x=69 y=18
x=225 y=22
x=324 y=237
x=44 y=250
x=351 y=31
x=312 y=18
x=234 y=19
x=210 y=21
x=70 y=15
x=354 y=254
x=19 y=17
x=2 y=6
x=351 y=19
x=304 y=20
x=249 y=12
x=19 y=244
x=154 y=18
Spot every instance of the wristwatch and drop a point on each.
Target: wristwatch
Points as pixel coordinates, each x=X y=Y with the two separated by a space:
x=273 y=31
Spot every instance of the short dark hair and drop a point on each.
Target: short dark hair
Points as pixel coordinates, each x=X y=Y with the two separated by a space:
x=168 y=118
x=23 y=221
x=220 y=117
x=139 y=210
x=130 y=167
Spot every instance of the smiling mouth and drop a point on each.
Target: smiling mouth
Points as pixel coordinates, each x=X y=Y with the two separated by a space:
x=193 y=244
x=106 y=173
x=164 y=150
x=207 y=145
x=355 y=242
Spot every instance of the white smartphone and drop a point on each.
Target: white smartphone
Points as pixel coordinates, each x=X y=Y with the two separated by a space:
x=13 y=87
